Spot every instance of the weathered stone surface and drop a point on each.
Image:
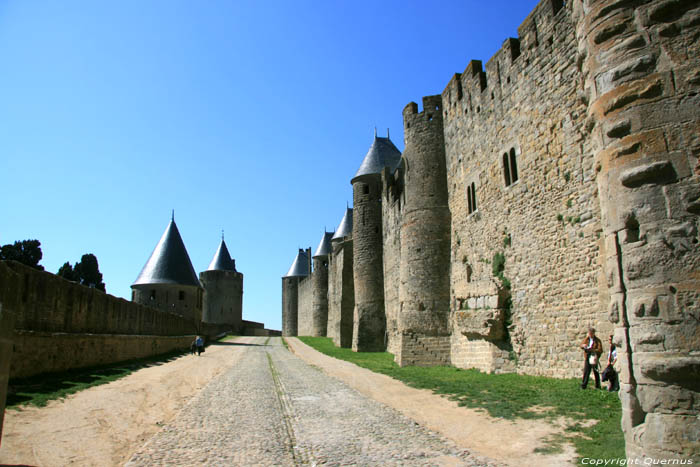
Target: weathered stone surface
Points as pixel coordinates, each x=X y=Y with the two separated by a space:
x=644 y=75
x=655 y=172
x=481 y=323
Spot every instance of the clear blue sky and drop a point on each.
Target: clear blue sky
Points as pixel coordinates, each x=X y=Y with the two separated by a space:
x=249 y=117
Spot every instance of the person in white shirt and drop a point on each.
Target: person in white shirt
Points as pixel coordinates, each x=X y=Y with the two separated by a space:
x=610 y=373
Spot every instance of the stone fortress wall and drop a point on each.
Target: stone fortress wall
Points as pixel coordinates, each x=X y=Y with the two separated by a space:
x=556 y=188
x=60 y=325
x=515 y=137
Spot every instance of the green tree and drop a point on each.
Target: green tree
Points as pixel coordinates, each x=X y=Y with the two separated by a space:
x=67 y=272
x=88 y=272
x=26 y=252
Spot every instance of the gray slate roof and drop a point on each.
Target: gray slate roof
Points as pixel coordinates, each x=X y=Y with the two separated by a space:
x=345 y=227
x=169 y=263
x=222 y=259
x=300 y=266
x=324 y=248
x=381 y=154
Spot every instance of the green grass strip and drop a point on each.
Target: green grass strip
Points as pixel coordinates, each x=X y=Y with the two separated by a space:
x=595 y=431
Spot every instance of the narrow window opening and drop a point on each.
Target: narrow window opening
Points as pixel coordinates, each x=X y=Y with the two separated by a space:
x=153 y=294
x=469 y=200
x=513 y=166
x=471 y=197
x=181 y=295
x=365 y=189
x=506 y=169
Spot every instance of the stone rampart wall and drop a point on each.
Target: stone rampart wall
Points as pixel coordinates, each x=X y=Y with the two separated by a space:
x=46 y=352
x=545 y=221
x=392 y=202
x=305 y=316
x=341 y=294
x=48 y=303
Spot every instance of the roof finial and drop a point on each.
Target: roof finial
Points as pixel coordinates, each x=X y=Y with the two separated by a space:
x=222 y=235
x=387 y=133
x=375 y=131
x=173 y=216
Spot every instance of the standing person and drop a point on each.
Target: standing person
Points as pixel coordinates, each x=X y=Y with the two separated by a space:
x=610 y=374
x=200 y=345
x=592 y=348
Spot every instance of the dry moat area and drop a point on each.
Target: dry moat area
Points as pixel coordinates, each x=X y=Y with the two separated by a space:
x=253 y=402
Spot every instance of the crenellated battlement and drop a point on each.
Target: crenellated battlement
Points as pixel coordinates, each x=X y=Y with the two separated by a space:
x=430 y=116
x=482 y=87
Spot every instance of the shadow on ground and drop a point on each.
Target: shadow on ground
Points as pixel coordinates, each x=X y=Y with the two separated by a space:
x=40 y=389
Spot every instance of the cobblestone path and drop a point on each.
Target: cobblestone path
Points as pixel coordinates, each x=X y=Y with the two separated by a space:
x=274 y=409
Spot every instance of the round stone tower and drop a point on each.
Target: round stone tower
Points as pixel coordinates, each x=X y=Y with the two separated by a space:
x=641 y=67
x=168 y=281
x=424 y=288
x=290 y=293
x=319 y=304
x=369 y=320
x=223 y=290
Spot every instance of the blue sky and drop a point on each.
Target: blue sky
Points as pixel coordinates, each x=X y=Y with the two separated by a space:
x=249 y=117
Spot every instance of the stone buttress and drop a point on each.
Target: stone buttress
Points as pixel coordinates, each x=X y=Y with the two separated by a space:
x=641 y=67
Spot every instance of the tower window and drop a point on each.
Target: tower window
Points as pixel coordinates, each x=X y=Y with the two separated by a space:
x=153 y=294
x=365 y=189
x=181 y=295
x=471 y=197
x=510 y=167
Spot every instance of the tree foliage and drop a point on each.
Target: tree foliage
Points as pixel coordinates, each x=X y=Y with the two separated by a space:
x=26 y=252
x=67 y=272
x=85 y=272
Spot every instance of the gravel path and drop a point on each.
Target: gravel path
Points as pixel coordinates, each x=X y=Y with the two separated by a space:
x=271 y=408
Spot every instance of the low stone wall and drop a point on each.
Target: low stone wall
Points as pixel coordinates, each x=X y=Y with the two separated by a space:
x=48 y=303
x=6 y=327
x=45 y=352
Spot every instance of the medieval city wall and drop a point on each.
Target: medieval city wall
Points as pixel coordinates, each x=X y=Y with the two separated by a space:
x=305 y=317
x=60 y=325
x=539 y=217
x=392 y=202
x=341 y=294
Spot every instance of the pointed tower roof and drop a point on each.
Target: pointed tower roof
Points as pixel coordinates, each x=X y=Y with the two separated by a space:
x=381 y=154
x=324 y=248
x=222 y=259
x=345 y=227
x=300 y=266
x=169 y=263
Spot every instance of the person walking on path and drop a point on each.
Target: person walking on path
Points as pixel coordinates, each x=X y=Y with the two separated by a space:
x=592 y=348
x=199 y=342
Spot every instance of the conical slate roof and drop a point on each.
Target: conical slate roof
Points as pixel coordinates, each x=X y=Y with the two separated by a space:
x=169 y=263
x=300 y=266
x=345 y=227
x=381 y=154
x=324 y=248
x=222 y=259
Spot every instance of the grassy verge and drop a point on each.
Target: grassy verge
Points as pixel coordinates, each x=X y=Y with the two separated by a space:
x=595 y=415
x=39 y=390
